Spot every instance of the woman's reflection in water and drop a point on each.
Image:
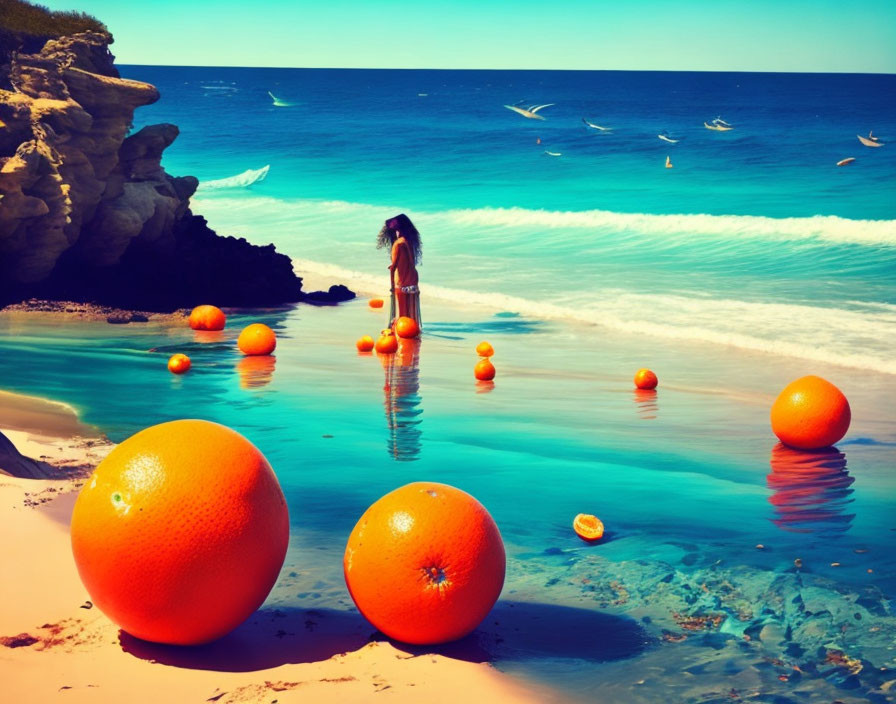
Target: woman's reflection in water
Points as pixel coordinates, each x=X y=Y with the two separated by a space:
x=810 y=490
x=402 y=401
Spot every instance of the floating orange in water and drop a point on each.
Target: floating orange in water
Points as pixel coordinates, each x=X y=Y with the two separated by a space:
x=588 y=527
x=810 y=413
x=179 y=363
x=375 y=302
x=180 y=533
x=406 y=327
x=484 y=370
x=425 y=563
x=257 y=338
x=207 y=318
x=387 y=343
x=484 y=349
x=645 y=379
x=365 y=343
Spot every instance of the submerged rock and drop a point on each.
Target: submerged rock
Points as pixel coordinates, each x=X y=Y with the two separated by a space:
x=87 y=213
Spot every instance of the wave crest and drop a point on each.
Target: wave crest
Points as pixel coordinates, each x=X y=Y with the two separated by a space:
x=242 y=180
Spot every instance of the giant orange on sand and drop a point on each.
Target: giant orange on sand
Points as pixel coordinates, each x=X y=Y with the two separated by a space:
x=257 y=338
x=810 y=413
x=425 y=563
x=180 y=533
x=207 y=318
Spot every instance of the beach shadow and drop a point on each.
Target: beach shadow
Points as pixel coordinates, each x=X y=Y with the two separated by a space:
x=810 y=490
x=269 y=638
x=401 y=400
x=513 y=632
x=529 y=632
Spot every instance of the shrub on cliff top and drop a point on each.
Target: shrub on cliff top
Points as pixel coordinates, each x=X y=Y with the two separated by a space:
x=36 y=20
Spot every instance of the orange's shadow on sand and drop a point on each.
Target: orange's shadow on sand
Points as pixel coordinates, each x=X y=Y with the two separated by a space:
x=513 y=631
x=810 y=490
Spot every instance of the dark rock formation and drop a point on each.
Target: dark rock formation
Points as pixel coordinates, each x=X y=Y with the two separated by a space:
x=335 y=294
x=15 y=464
x=87 y=213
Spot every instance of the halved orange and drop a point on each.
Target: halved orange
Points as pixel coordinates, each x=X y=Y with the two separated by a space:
x=588 y=527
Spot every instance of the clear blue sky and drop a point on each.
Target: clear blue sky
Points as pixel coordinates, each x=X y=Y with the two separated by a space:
x=723 y=35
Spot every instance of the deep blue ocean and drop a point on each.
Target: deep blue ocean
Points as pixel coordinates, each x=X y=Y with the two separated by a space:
x=755 y=238
x=754 y=260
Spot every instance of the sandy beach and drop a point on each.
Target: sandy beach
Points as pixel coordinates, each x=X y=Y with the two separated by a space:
x=57 y=647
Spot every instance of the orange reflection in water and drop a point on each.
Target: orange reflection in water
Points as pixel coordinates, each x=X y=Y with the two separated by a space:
x=485 y=387
x=402 y=400
x=208 y=336
x=256 y=370
x=810 y=490
x=645 y=403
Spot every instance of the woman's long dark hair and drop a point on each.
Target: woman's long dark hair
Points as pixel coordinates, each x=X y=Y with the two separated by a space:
x=401 y=223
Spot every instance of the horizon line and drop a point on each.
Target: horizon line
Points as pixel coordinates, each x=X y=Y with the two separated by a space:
x=577 y=70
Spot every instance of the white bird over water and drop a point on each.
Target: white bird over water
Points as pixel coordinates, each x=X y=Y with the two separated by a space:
x=531 y=112
x=597 y=127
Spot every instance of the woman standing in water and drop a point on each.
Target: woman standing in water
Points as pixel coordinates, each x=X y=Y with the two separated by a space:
x=400 y=234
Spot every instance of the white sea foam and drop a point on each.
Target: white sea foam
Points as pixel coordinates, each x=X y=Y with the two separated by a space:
x=242 y=180
x=828 y=228
x=824 y=228
x=828 y=335
x=851 y=333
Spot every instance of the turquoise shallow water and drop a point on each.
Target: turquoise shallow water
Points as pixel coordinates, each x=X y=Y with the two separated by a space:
x=688 y=481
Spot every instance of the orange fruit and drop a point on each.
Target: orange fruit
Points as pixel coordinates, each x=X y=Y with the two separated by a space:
x=178 y=363
x=406 y=327
x=207 y=318
x=484 y=370
x=180 y=533
x=364 y=344
x=257 y=338
x=589 y=528
x=388 y=343
x=425 y=563
x=810 y=413
x=484 y=349
x=645 y=379
x=375 y=302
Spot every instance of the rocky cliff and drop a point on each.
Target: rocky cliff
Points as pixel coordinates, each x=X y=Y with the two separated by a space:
x=87 y=213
